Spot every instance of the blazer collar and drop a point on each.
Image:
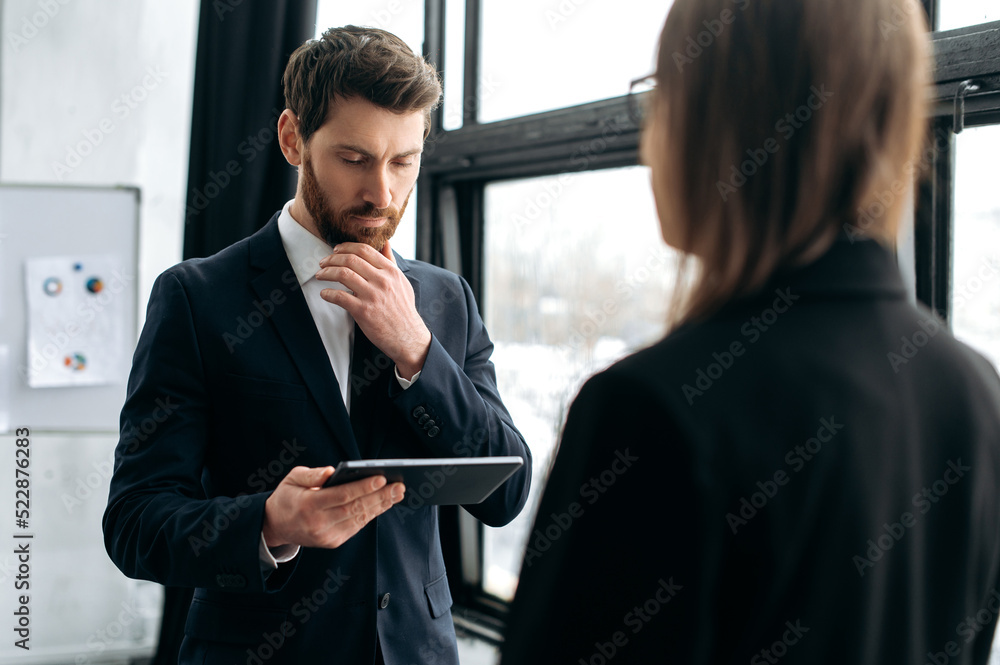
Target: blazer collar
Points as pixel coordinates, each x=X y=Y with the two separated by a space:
x=850 y=268
x=293 y=323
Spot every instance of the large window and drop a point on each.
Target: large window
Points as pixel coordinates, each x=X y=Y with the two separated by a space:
x=546 y=55
x=962 y=13
x=976 y=268
x=576 y=275
x=532 y=193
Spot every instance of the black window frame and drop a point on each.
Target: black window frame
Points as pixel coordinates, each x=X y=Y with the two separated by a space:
x=458 y=164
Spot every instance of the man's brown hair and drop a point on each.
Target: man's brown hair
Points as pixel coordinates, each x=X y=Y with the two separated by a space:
x=367 y=63
x=781 y=119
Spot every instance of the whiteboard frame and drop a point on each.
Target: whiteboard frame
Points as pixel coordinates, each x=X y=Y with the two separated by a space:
x=33 y=223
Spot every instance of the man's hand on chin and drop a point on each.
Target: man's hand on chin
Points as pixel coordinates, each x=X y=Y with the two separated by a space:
x=380 y=300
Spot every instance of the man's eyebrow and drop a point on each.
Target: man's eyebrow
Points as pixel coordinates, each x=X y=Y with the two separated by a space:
x=361 y=151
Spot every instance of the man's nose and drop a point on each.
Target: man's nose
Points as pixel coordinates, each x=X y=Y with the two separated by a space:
x=377 y=190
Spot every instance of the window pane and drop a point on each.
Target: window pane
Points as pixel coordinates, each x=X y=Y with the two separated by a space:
x=538 y=56
x=576 y=276
x=976 y=271
x=403 y=18
x=405 y=239
x=961 y=13
x=454 y=64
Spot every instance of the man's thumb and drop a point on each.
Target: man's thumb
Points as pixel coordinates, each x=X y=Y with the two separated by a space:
x=310 y=477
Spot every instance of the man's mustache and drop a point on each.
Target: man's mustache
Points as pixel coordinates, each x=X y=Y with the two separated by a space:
x=369 y=211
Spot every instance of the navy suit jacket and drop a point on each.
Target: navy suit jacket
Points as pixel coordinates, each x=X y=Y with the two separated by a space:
x=230 y=388
x=812 y=475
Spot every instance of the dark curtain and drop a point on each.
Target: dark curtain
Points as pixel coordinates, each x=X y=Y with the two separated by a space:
x=237 y=176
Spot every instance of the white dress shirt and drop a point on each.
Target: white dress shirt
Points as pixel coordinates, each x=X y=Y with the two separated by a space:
x=335 y=327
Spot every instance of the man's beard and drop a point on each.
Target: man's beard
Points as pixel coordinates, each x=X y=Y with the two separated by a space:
x=337 y=226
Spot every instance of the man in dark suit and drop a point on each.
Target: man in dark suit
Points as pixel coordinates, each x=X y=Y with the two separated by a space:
x=309 y=343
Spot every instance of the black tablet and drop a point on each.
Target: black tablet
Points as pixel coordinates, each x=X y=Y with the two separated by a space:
x=436 y=480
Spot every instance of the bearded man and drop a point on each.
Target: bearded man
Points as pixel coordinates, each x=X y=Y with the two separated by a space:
x=309 y=343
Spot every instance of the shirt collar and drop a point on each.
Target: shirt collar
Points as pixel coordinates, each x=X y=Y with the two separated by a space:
x=304 y=250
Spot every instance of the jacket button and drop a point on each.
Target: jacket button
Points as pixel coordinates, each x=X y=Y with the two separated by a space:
x=419 y=411
x=433 y=432
x=384 y=602
x=423 y=419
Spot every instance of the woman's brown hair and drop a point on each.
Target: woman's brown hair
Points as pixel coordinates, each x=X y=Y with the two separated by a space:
x=778 y=121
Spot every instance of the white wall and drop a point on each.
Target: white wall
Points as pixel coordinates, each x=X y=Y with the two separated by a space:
x=92 y=92
x=99 y=92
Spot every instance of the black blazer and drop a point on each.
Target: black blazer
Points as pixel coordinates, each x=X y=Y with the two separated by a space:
x=810 y=476
x=230 y=388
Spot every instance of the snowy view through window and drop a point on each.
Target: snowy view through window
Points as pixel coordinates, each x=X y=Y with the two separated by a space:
x=976 y=270
x=576 y=276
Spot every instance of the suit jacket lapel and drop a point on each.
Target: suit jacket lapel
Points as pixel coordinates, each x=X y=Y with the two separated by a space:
x=404 y=266
x=294 y=325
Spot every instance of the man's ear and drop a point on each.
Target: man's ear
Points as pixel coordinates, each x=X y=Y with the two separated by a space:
x=289 y=138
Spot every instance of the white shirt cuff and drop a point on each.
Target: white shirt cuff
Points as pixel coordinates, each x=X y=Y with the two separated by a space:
x=270 y=557
x=404 y=382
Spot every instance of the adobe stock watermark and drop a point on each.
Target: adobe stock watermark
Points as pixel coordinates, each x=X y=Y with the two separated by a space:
x=119 y=629
x=797 y=457
x=541 y=540
x=302 y=610
x=249 y=148
x=417 y=497
x=383 y=18
x=224 y=7
x=970 y=288
x=968 y=629
x=230 y=511
x=752 y=330
x=8 y=569
x=261 y=311
x=780 y=647
x=121 y=109
x=625 y=289
x=580 y=160
x=703 y=40
x=900 y=10
x=470 y=445
x=87 y=486
x=636 y=619
x=786 y=128
x=562 y=12
x=923 y=500
x=911 y=345
x=870 y=214
x=454 y=113
x=86 y=312
x=31 y=25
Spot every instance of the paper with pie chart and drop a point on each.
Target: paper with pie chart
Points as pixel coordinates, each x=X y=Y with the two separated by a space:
x=76 y=320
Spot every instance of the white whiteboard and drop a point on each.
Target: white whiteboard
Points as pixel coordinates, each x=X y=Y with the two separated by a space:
x=44 y=221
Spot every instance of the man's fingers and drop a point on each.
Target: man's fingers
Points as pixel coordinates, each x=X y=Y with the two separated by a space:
x=365 y=252
x=368 y=506
x=340 y=495
x=354 y=280
x=346 y=520
x=304 y=476
x=387 y=252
